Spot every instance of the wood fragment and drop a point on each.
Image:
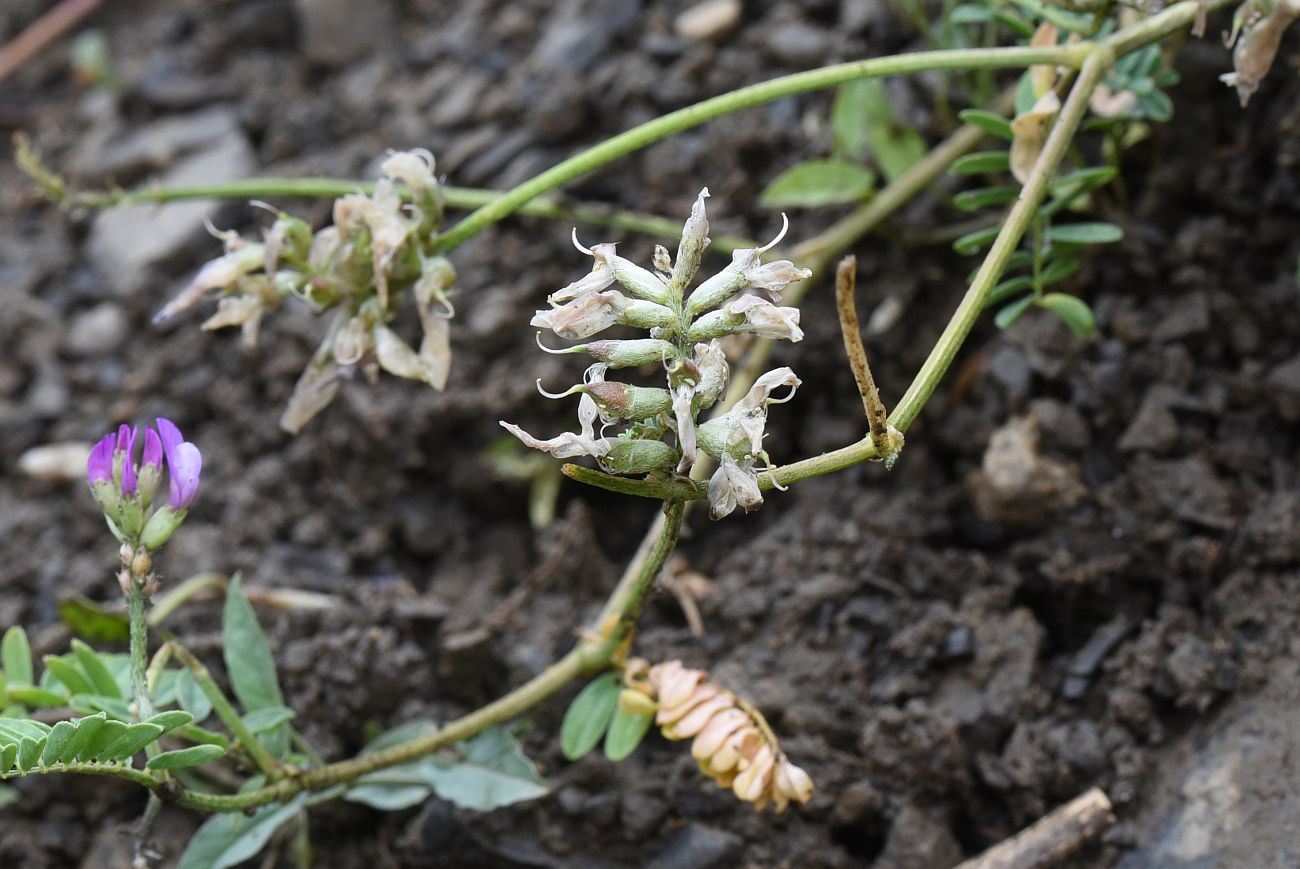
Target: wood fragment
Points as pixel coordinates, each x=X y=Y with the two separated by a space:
x=846 y=283
x=42 y=32
x=1052 y=837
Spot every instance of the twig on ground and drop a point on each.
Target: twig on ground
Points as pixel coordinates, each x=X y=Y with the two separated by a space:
x=1050 y=838
x=42 y=32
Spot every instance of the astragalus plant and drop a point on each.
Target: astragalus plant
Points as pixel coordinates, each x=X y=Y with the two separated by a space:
x=1092 y=79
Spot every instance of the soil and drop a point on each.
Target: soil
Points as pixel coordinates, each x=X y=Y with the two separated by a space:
x=1083 y=571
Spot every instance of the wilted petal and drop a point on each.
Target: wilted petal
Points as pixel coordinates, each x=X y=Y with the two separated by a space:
x=711 y=360
x=1257 y=48
x=774 y=277
x=565 y=445
x=1029 y=134
x=765 y=319
x=413 y=168
x=760 y=394
x=684 y=413
x=733 y=484
x=715 y=733
x=599 y=278
x=234 y=311
x=221 y=273
x=396 y=356
x=583 y=316
x=315 y=389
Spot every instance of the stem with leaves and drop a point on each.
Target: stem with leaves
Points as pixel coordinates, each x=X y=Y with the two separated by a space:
x=590 y=655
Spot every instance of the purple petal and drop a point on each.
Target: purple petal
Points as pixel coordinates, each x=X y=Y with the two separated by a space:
x=171 y=436
x=100 y=464
x=184 y=463
x=126 y=436
x=152 y=450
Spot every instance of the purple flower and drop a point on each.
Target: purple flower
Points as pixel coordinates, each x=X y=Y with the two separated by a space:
x=184 y=462
x=125 y=452
x=100 y=464
x=153 y=454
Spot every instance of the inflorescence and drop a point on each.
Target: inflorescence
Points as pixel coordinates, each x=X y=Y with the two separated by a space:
x=662 y=434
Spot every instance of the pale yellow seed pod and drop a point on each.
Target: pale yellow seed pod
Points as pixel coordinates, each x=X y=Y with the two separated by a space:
x=695 y=720
x=715 y=733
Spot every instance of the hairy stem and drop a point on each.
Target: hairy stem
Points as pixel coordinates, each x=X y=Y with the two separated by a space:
x=590 y=655
x=137 y=604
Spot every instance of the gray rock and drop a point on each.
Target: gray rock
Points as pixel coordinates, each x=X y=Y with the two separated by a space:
x=710 y=19
x=108 y=151
x=335 y=32
x=100 y=330
x=581 y=31
x=696 y=846
x=48 y=394
x=797 y=44
x=1226 y=796
x=1016 y=485
x=1284 y=380
x=1191 y=317
x=126 y=242
x=919 y=839
x=1154 y=428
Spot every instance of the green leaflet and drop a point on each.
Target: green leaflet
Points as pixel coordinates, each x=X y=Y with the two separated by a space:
x=588 y=716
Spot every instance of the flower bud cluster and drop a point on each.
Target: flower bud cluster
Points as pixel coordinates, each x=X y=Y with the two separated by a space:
x=377 y=252
x=731 y=742
x=126 y=491
x=662 y=435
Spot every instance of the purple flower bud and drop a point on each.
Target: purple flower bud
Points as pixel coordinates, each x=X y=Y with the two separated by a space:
x=184 y=463
x=153 y=452
x=125 y=453
x=100 y=464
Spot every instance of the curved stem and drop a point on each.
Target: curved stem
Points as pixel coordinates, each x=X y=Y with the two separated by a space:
x=747 y=97
x=225 y=710
x=590 y=655
x=927 y=379
x=461 y=198
x=1013 y=229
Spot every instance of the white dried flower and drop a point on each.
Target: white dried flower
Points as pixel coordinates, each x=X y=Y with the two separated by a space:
x=568 y=445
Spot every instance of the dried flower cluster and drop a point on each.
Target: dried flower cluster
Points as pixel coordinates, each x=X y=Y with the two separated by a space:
x=685 y=337
x=732 y=743
x=125 y=490
x=378 y=249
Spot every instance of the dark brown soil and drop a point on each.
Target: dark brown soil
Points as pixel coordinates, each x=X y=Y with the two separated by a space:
x=948 y=661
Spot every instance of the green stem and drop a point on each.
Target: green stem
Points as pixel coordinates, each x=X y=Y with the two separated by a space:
x=226 y=712
x=461 y=198
x=136 y=605
x=748 y=97
x=932 y=371
x=590 y=655
x=1018 y=220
